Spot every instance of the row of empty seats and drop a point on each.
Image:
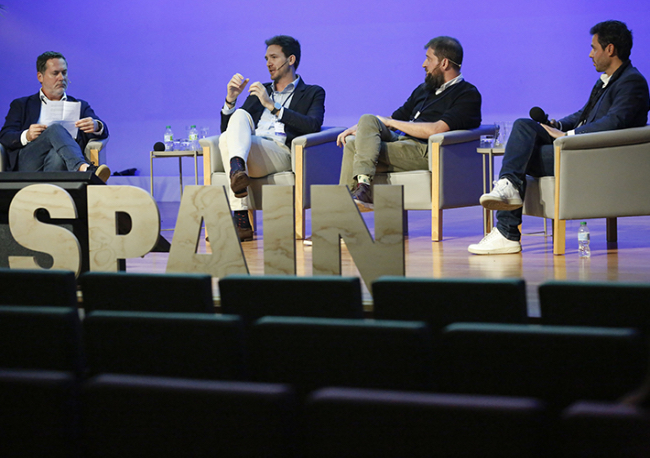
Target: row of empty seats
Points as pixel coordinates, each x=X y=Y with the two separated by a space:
x=46 y=413
x=439 y=302
x=557 y=364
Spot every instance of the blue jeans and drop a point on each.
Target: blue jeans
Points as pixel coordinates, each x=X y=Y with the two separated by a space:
x=53 y=151
x=529 y=151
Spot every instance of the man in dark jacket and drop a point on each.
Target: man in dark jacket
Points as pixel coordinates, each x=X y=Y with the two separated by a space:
x=256 y=139
x=618 y=100
x=33 y=146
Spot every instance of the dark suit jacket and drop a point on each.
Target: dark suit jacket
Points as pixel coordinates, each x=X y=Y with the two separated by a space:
x=303 y=116
x=624 y=104
x=24 y=112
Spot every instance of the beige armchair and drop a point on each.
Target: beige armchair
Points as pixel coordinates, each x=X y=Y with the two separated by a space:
x=454 y=178
x=597 y=175
x=315 y=159
x=95 y=152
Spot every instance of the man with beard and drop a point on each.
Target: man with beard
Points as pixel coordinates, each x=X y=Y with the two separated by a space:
x=444 y=102
x=618 y=100
x=256 y=139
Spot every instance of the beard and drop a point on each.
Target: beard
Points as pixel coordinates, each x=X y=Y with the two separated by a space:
x=434 y=80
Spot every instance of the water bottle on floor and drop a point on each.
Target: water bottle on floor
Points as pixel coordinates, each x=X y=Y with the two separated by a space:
x=169 y=139
x=583 y=241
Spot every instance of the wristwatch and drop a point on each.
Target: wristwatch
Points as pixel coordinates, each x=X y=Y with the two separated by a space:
x=277 y=107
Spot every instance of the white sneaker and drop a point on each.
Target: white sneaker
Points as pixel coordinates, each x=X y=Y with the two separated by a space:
x=504 y=196
x=495 y=243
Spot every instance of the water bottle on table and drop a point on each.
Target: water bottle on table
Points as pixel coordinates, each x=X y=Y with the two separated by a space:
x=583 y=241
x=194 y=138
x=169 y=139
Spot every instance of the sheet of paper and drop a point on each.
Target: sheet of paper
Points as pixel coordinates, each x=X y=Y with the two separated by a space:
x=61 y=112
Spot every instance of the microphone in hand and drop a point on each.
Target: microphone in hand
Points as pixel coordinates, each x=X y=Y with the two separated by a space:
x=537 y=114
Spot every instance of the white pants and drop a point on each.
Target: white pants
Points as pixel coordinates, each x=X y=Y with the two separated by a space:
x=262 y=155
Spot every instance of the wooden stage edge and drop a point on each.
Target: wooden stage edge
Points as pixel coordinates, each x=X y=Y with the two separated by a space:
x=627 y=261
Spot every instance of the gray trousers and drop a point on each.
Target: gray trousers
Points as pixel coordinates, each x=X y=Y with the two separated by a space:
x=377 y=148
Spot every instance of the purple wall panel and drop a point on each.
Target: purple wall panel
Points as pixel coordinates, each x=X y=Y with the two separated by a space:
x=145 y=64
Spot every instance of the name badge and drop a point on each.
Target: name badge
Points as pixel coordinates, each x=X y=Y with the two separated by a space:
x=279 y=128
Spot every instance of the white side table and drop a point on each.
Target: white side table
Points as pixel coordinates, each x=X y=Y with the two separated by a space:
x=180 y=155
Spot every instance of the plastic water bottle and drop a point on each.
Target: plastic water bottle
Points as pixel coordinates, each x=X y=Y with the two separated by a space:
x=169 y=139
x=193 y=137
x=583 y=241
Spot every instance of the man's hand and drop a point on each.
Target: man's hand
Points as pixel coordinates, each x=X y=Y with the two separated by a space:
x=340 y=140
x=235 y=87
x=87 y=125
x=386 y=121
x=553 y=132
x=34 y=131
x=257 y=89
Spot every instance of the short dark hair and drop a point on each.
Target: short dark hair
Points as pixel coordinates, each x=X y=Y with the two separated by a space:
x=41 y=61
x=447 y=48
x=290 y=46
x=616 y=33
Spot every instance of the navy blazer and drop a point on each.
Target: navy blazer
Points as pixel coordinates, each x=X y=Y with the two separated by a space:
x=303 y=116
x=26 y=111
x=624 y=103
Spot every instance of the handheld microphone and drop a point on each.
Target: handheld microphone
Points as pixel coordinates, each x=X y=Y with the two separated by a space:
x=537 y=114
x=159 y=146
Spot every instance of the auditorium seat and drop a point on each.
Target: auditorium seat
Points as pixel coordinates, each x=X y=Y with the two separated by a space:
x=598 y=429
x=163 y=417
x=558 y=364
x=596 y=304
x=253 y=297
x=38 y=287
x=316 y=352
x=140 y=292
x=344 y=422
x=39 y=413
x=47 y=338
x=442 y=301
x=190 y=345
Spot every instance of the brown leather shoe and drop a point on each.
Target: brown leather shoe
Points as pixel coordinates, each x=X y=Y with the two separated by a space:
x=239 y=183
x=245 y=234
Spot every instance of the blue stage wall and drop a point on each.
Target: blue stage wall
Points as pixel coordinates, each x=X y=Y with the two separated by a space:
x=145 y=64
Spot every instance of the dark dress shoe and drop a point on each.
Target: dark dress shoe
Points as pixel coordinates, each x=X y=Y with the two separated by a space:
x=245 y=234
x=239 y=183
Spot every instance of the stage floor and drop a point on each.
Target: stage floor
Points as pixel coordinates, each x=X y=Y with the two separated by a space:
x=625 y=261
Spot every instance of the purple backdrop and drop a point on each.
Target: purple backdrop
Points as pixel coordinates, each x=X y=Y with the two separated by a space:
x=145 y=64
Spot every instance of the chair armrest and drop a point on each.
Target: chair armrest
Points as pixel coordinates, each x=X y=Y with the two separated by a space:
x=457 y=137
x=308 y=141
x=328 y=134
x=462 y=136
x=98 y=145
x=608 y=139
x=214 y=158
x=4 y=159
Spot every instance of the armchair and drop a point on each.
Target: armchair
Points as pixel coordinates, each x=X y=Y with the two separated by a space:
x=95 y=152
x=315 y=159
x=597 y=175
x=454 y=178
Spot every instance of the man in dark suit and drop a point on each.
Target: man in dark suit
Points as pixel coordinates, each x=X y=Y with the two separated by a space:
x=256 y=139
x=618 y=100
x=35 y=147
